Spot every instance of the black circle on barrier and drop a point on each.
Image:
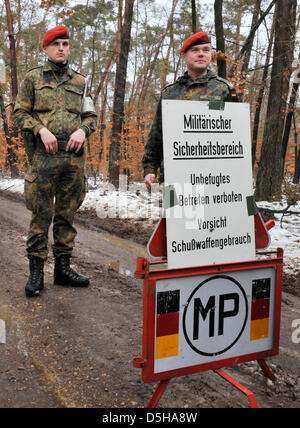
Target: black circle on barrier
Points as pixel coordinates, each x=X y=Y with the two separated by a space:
x=211 y=354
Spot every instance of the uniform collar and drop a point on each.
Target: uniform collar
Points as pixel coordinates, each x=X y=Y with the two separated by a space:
x=187 y=80
x=51 y=66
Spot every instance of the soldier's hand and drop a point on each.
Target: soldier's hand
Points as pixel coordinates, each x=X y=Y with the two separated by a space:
x=149 y=180
x=49 y=140
x=76 y=140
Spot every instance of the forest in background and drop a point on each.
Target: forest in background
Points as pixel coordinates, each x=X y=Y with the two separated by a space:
x=130 y=49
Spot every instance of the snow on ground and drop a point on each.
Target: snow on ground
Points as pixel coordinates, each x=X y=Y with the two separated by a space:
x=136 y=203
x=286 y=234
x=133 y=202
x=14 y=186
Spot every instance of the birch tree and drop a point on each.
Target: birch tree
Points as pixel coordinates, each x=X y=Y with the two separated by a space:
x=119 y=95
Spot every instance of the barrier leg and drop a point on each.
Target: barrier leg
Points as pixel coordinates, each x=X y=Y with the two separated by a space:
x=266 y=370
x=158 y=393
x=239 y=386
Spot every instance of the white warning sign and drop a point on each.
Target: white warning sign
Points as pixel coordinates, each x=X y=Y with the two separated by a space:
x=208 y=178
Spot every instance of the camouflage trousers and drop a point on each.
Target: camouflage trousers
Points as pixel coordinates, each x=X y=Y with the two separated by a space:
x=54 y=190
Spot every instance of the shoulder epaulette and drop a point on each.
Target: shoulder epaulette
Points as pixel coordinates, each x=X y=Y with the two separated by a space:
x=77 y=72
x=224 y=81
x=34 y=68
x=170 y=85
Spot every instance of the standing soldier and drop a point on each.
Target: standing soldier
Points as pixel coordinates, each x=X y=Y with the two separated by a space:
x=199 y=83
x=55 y=121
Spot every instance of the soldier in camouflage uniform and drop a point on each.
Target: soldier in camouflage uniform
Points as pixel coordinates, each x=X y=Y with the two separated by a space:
x=49 y=109
x=198 y=83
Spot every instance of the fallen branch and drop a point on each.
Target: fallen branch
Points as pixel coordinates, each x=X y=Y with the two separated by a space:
x=284 y=211
x=7 y=188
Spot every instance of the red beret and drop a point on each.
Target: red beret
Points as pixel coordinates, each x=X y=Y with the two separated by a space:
x=59 y=32
x=198 y=38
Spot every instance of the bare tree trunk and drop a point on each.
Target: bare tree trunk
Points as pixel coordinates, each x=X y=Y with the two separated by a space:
x=247 y=46
x=135 y=73
x=12 y=161
x=261 y=95
x=102 y=118
x=35 y=59
x=238 y=28
x=296 y=178
x=247 y=53
x=153 y=63
x=220 y=40
x=194 y=17
x=119 y=96
x=12 y=53
x=119 y=32
x=19 y=9
x=167 y=60
x=269 y=178
x=91 y=85
x=80 y=65
x=288 y=120
x=11 y=156
x=253 y=30
x=104 y=76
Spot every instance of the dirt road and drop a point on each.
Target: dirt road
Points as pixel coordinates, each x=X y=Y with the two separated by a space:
x=74 y=348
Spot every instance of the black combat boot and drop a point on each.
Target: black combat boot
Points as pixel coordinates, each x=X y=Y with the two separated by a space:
x=35 y=282
x=65 y=275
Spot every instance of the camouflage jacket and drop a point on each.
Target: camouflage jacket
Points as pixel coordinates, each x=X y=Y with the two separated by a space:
x=51 y=97
x=207 y=88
